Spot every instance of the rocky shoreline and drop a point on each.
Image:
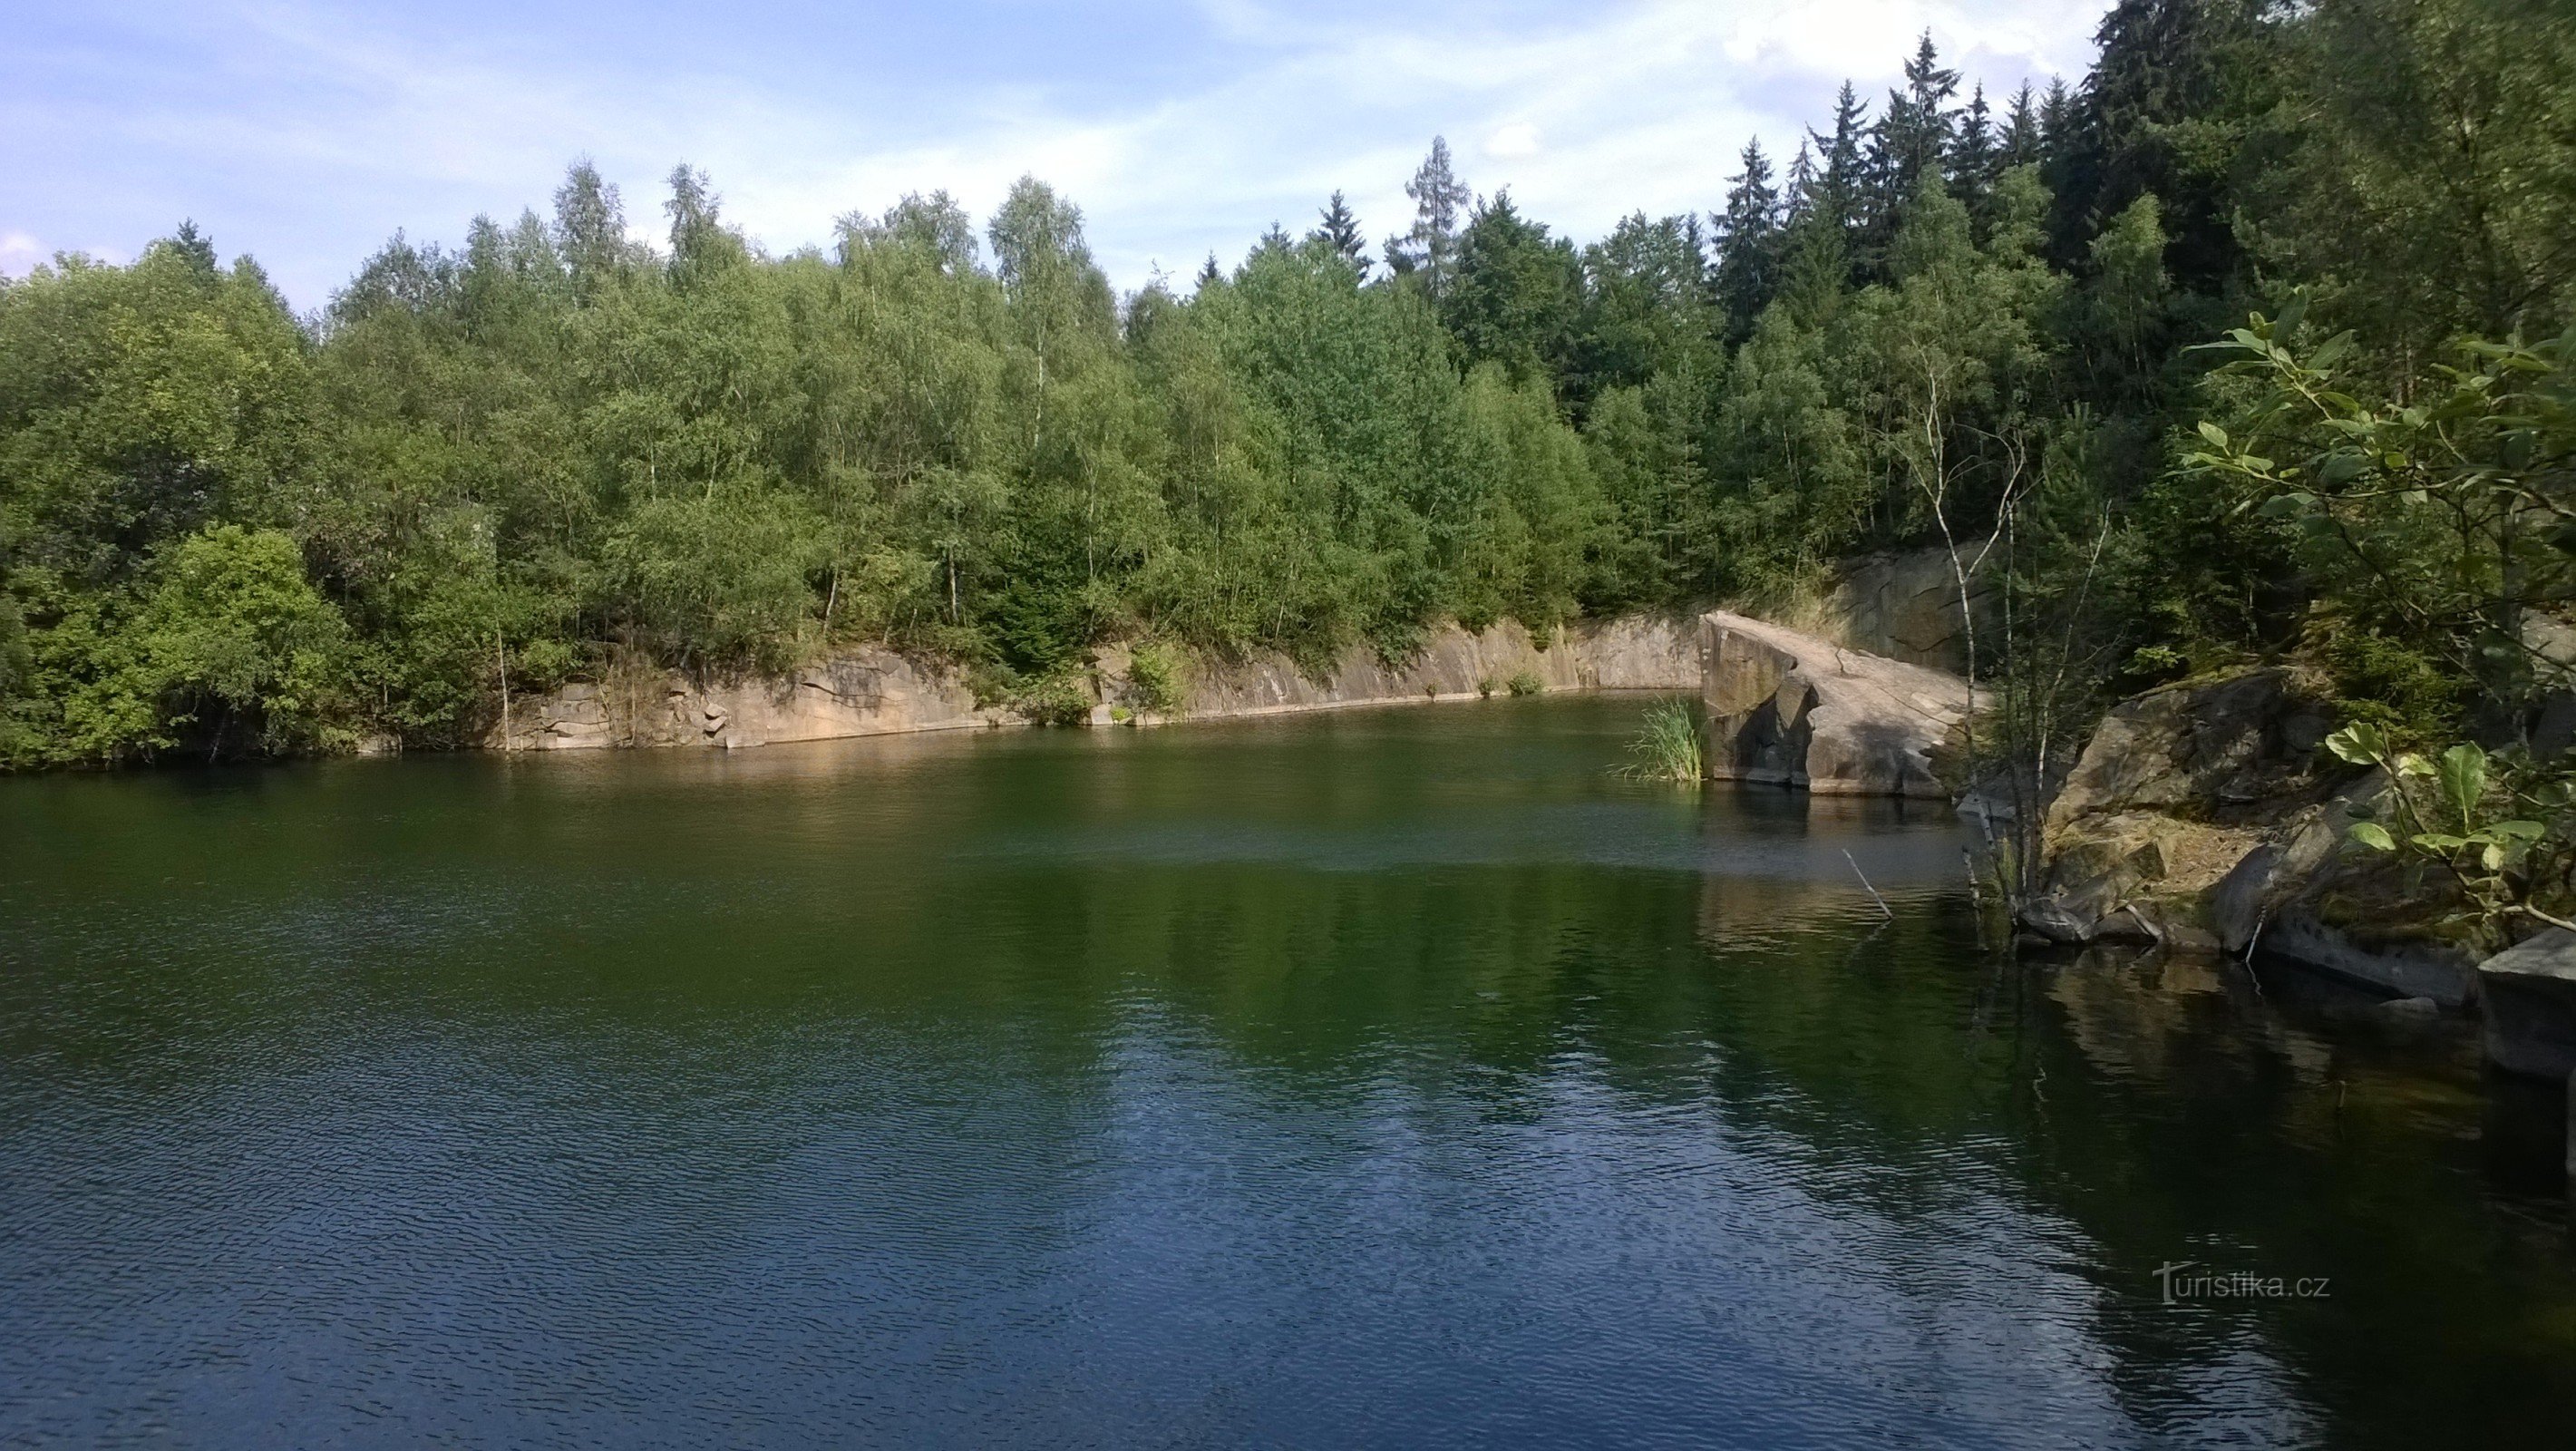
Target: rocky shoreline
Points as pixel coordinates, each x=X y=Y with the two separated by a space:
x=873 y=690
x=2201 y=817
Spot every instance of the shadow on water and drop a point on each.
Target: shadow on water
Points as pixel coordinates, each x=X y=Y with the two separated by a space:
x=1392 y=1077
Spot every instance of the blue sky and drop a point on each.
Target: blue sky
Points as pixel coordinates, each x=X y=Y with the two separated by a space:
x=307 y=133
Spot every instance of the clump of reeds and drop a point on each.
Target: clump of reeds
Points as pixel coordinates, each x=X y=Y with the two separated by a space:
x=1667 y=746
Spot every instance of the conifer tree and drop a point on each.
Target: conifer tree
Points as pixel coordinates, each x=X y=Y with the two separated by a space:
x=1341 y=230
x=1748 y=246
x=1430 y=250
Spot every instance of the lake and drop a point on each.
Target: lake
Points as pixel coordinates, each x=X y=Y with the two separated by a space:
x=1394 y=1077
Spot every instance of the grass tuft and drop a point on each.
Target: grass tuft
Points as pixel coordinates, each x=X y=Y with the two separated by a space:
x=1667 y=746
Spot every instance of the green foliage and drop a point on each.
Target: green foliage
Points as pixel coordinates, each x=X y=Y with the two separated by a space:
x=1054 y=700
x=721 y=575
x=231 y=647
x=1524 y=683
x=2436 y=526
x=2501 y=828
x=500 y=466
x=1156 y=673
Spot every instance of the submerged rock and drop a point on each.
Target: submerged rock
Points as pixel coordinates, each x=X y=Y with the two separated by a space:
x=1791 y=709
x=2529 y=994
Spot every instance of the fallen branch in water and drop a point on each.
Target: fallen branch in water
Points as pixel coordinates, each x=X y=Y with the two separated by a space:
x=1865 y=886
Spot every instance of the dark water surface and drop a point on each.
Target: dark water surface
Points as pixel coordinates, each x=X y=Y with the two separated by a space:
x=1391 y=1078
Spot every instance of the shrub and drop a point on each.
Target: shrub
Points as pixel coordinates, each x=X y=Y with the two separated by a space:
x=1056 y=700
x=1524 y=683
x=1157 y=678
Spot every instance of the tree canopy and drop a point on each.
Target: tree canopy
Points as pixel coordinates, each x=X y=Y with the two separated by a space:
x=227 y=530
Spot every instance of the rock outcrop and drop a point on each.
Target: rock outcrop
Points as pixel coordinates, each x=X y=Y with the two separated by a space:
x=2203 y=814
x=1905 y=606
x=864 y=692
x=1630 y=652
x=872 y=690
x=1790 y=709
x=2175 y=789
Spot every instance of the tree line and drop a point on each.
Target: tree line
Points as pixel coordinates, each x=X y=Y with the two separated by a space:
x=227 y=530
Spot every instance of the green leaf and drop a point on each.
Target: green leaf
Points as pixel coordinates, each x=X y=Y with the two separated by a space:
x=2284 y=506
x=2438 y=843
x=2518 y=830
x=2373 y=835
x=2492 y=858
x=2361 y=743
x=2213 y=433
x=2463 y=773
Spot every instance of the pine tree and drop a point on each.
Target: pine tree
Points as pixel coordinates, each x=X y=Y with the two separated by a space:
x=2064 y=166
x=2156 y=122
x=1913 y=136
x=1516 y=292
x=1209 y=273
x=1342 y=230
x=1798 y=184
x=196 y=247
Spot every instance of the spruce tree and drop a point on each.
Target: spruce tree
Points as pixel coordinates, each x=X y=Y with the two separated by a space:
x=2020 y=145
x=1972 y=149
x=1748 y=245
x=1341 y=230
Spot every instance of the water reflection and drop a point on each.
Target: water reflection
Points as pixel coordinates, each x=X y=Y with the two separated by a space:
x=1392 y=1078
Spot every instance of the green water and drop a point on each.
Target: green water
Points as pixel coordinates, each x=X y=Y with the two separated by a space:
x=1391 y=1078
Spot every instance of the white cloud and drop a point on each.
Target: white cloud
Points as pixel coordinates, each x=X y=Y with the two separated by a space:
x=1641 y=104
x=1513 y=142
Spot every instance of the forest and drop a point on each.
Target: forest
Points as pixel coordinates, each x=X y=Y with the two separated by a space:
x=2249 y=344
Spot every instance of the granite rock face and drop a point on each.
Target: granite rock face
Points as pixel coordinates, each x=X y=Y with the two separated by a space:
x=2204 y=814
x=2226 y=751
x=1793 y=710
x=1905 y=606
x=872 y=690
x=864 y=692
x=2529 y=997
x=1630 y=652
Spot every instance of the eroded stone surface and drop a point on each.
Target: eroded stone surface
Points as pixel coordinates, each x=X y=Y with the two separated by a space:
x=867 y=691
x=2177 y=791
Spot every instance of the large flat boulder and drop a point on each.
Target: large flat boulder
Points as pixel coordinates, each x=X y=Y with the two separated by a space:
x=2529 y=1000
x=1794 y=710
